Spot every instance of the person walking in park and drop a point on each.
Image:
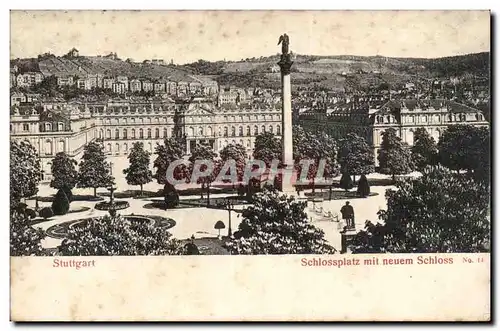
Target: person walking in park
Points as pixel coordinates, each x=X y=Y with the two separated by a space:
x=348 y=215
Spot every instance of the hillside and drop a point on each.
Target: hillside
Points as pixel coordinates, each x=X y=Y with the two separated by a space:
x=340 y=72
x=323 y=72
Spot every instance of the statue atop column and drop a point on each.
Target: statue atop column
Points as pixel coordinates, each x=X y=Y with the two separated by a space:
x=284 y=41
x=285 y=61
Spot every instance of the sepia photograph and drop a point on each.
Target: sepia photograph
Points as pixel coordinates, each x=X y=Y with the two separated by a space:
x=323 y=134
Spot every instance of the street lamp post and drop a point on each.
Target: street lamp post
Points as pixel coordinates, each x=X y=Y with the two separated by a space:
x=229 y=206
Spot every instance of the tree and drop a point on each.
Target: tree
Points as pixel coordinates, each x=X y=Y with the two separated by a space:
x=439 y=212
x=356 y=156
x=64 y=174
x=94 y=170
x=363 y=187
x=60 y=205
x=465 y=147
x=119 y=236
x=277 y=224
x=314 y=148
x=219 y=225
x=24 y=239
x=25 y=171
x=172 y=150
x=267 y=148
x=424 y=149
x=394 y=156
x=138 y=172
x=346 y=182
x=237 y=153
x=205 y=153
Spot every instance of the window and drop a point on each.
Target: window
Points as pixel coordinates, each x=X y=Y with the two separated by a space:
x=248 y=130
x=149 y=133
x=191 y=131
x=117 y=134
x=255 y=130
x=200 y=131
x=48 y=127
x=101 y=134
x=278 y=129
x=26 y=127
x=263 y=129
x=141 y=134
x=271 y=128
x=133 y=133
x=233 y=131
x=225 y=131
x=424 y=119
x=60 y=127
x=108 y=134
x=165 y=132
x=240 y=131
x=125 y=148
x=48 y=147
x=157 y=133
x=117 y=148
x=124 y=133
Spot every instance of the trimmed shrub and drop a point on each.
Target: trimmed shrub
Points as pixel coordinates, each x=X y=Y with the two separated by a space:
x=363 y=187
x=346 y=182
x=68 y=193
x=30 y=213
x=60 y=206
x=46 y=212
x=171 y=196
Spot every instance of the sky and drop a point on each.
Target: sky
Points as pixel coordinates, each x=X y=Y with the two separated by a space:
x=187 y=36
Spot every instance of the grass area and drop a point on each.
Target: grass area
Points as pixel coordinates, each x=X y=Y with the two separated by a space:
x=215 y=203
x=75 y=197
x=209 y=246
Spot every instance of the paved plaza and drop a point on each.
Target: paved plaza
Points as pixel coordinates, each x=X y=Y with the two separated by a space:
x=199 y=221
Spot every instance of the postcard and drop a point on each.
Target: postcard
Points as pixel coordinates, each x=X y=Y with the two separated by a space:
x=250 y=165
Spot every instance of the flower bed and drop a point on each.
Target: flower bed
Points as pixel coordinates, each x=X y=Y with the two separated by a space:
x=106 y=205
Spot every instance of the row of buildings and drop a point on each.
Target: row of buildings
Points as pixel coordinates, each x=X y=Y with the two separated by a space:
x=54 y=127
x=370 y=118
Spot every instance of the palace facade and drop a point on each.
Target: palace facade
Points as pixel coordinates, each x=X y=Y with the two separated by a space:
x=118 y=124
x=370 y=119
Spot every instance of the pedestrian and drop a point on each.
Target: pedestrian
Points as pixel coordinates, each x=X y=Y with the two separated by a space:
x=348 y=215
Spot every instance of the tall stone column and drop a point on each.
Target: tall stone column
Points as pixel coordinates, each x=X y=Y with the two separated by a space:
x=286 y=121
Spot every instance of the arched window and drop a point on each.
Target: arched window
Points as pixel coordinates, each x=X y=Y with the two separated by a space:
x=117 y=134
x=108 y=134
x=149 y=133
x=271 y=128
x=125 y=148
x=150 y=147
x=108 y=148
x=240 y=131
x=233 y=131
x=141 y=134
x=248 y=130
x=278 y=129
x=200 y=131
x=225 y=131
x=124 y=133
x=48 y=127
x=133 y=133
x=209 y=131
x=165 y=132
x=48 y=147
x=255 y=130
x=117 y=148
x=157 y=133
x=101 y=134
x=60 y=127
x=263 y=129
